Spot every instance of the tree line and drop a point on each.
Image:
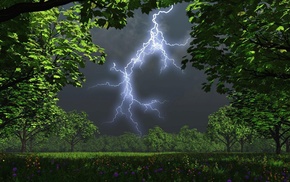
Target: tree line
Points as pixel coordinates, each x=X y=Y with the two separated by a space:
x=72 y=131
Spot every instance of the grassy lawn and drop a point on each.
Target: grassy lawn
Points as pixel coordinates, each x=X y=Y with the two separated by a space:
x=128 y=166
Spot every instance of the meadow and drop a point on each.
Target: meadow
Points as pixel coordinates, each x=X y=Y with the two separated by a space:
x=126 y=166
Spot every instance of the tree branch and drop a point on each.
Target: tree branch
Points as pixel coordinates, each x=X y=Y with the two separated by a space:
x=18 y=80
x=20 y=8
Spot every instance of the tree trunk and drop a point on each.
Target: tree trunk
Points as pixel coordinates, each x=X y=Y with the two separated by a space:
x=288 y=145
x=242 y=142
x=23 y=140
x=278 y=146
x=278 y=149
x=23 y=145
x=277 y=138
x=228 y=148
x=228 y=143
x=72 y=146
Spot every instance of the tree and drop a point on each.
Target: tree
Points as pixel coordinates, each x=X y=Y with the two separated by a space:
x=269 y=115
x=52 y=143
x=9 y=144
x=112 y=144
x=245 y=45
x=50 y=46
x=189 y=140
x=43 y=57
x=131 y=142
x=76 y=127
x=39 y=121
x=261 y=145
x=23 y=102
x=101 y=143
x=241 y=44
x=244 y=134
x=223 y=126
x=288 y=145
x=158 y=140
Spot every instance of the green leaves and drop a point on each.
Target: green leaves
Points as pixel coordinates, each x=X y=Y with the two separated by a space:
x=38 y=57
x=280 y=28
x=74 y=127
x=257 y=37
x=226 y=126
x=268 y=114
x=63 y=47
x=56 y=76
x=159 y=140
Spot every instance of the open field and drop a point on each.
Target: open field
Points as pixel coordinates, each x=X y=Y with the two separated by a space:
x=122 y=166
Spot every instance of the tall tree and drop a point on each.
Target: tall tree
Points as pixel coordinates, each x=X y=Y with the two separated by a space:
x=269 y=115
x=131 y=142
x=75 y=127
x=221 y=128
x=41 y=58
x=158 y=140
x=244 y=134
x=224 y=127
x=190 y=140
x=241 y=44
x=288 y=145
x=38 y=121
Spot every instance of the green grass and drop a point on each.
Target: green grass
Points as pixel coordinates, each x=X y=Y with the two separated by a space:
x=124 y=166
x=97 y=154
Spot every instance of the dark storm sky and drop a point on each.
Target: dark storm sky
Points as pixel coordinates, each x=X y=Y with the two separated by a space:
x=187 y=103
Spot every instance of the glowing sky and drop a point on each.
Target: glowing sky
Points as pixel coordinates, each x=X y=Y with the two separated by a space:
x=186 y=103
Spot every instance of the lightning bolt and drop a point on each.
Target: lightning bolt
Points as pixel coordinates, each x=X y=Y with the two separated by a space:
x=156 y=43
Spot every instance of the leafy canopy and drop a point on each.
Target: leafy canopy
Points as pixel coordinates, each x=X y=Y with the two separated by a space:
x=241 y=43
x=39 y=56
x=112 y=13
